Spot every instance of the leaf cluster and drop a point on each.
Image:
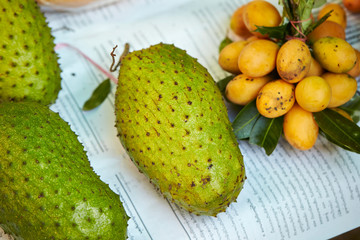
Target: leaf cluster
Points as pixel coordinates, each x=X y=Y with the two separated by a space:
x=297 y=21
x=250 y=125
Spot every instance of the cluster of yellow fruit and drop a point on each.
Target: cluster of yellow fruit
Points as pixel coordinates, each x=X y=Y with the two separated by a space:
x=293 y=79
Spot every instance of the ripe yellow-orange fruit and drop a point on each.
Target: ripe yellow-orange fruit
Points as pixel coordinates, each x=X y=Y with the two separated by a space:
x=343 y=87
x=243 y=89
x=338 y=15
x=229 y=55
x=275 y=98
x=260 y=13
x=334 y=54
x=300 y=129
x=313 y=93
x=293 y=61
x=237 y=24
x=355 y=71
x=352 y=5
x=258 y=58
x=315 y=68
x=326 y=29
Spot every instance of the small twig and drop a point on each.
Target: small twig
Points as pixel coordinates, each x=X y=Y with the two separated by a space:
x=113 y=55
x=104 y=71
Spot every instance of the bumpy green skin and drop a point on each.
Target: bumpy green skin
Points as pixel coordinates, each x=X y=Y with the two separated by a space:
x=172 y=121
x=48 y=189
x=29 y=70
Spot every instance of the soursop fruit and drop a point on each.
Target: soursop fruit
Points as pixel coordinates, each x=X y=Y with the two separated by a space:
x=48 y=189
x=29 y=69
x=173 y=123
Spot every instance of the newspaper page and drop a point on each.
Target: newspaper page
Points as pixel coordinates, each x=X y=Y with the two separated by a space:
x=291 y=194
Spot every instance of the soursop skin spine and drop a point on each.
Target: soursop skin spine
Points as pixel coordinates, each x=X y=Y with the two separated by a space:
x=172 y=121
x=48 y=189
x=29 y=69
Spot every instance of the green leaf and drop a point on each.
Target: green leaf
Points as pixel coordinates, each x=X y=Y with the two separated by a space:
x=278 y=32
x=98 y=95
x=353 y=107
x=226 y=41
x=266 y=133
x=319 y=3
x=245 y=120
x=339 y=130
x=223 y=82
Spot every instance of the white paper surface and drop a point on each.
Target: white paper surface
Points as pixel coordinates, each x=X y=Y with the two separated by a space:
x=291 y=194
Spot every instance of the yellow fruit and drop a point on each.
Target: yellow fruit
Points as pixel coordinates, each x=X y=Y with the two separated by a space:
x=228 y=57
x=334 y=54
x=275 y=98
x=237 y=24
x=260 y=13
x=338 y=15
x=293 y=61
x=315 y=68
x=326 y=29
x=243 y=89
x=258 y=58
x=355 y=71
x=300 y=129
x=343 y=87
x=313 y=93
x=352 y=5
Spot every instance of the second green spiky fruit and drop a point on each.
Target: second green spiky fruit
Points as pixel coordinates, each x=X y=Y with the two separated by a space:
x=48 y=189
x=172 y=121
x=29 y=70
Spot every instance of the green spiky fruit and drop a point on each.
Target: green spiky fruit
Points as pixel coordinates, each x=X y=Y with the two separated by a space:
x=29 y=70
x=48 y=189
x=172 y=121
